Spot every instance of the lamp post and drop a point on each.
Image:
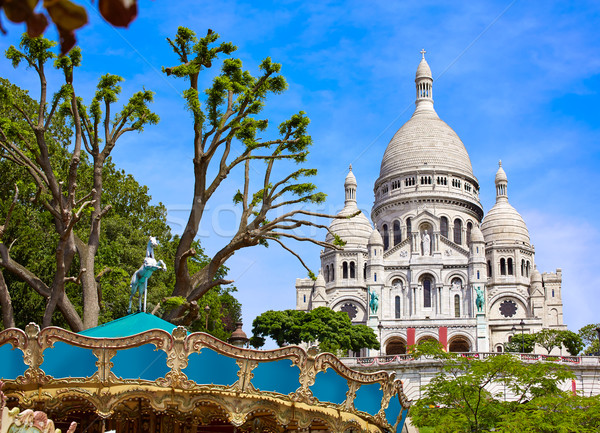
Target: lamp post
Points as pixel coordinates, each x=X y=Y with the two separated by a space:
x=206 y=310
x=522 y=323
x=380 y=327
x=598 y=331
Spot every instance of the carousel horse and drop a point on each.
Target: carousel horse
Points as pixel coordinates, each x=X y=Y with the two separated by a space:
x=139 y=280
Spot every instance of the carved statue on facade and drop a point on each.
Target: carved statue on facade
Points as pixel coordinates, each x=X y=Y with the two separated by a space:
x=480 y=300
x=139 y=280
x=425 y=239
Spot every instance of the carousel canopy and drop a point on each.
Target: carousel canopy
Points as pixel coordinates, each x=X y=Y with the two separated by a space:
x=129 y=325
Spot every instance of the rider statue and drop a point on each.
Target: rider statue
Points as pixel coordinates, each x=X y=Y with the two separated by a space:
x=373 y=302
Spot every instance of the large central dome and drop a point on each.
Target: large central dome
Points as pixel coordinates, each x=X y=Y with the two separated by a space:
x=425 y=141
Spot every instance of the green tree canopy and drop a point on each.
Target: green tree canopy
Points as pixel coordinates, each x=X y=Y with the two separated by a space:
x=520 y=343
x=589 y=336
x=333 y=330
x=468 y=394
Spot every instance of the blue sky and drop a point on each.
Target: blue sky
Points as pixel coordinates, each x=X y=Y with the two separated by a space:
x=517 y=80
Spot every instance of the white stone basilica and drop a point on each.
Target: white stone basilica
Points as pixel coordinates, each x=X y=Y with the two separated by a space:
x=434 y=267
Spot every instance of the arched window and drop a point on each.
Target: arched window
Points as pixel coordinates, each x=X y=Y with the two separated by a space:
x=457 y=231
x=489 y=269
x=509 y=263
x=397 y=233
x=527 y=269
x=375 y=277
x=456 y=306
x=397 y=283
x=327 y=273
x=352 y=270
x=365 y=272
x=345 y=270
x=444 y=227
x=499 y=349
x=502 y=267
x=478 y=275
x=386 y=237
x=331 y=269
x=427 y=293
x=469 y=228
x=408 y=227
x=397 y=307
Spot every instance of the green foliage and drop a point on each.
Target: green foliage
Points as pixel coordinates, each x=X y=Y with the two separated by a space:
x=562 y=413
x=572 y=342
x=458 y=399
x=521 y=343
x=333 y=330
x=549 y=339
x=589 y=337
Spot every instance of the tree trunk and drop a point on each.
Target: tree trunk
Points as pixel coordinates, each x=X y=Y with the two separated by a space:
x=8 y=317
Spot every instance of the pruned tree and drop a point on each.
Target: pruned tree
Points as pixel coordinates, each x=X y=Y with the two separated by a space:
x=228 y=113
x=29 y=138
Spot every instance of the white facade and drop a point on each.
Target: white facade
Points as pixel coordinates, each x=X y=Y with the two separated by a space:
x=433 y=250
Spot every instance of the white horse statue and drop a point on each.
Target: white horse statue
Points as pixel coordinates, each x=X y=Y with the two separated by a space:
x=139 y=280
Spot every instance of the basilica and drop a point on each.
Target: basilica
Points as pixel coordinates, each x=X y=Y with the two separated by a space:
x=433 y=265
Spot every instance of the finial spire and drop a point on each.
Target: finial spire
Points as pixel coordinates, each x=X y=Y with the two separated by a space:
x=499 y=163
x=423 y=52
x=350 y=168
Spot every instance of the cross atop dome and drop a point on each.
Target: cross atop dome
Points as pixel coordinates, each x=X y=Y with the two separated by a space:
x=350 y=168
x=423 y=53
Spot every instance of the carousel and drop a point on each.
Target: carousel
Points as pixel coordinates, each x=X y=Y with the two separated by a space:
x=141 y=373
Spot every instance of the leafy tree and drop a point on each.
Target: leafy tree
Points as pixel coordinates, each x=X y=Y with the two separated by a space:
x=53 y=162
x=572 y=342
x=555 y=414
x=521 y=343
x=459 y=398
x=549 y=339
x=66 y=15
x=333 y=330
x=228 y=112
x=589 y=336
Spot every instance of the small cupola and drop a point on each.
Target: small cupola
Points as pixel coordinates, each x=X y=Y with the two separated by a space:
x=424 y=84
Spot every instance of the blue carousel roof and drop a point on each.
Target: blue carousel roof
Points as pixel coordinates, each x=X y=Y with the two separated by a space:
x=129 y=325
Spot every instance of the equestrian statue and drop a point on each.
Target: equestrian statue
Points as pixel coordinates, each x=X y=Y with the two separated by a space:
x=139 y=280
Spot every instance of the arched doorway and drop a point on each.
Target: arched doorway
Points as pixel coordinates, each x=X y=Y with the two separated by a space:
x=459 y=344
x=395 y=346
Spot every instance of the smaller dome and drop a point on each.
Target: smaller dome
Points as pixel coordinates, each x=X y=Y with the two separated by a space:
x=375 y=238
x=354 y=231
x=476 y=235
x=501 y=174
x=423 y=70
x=504 y=224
